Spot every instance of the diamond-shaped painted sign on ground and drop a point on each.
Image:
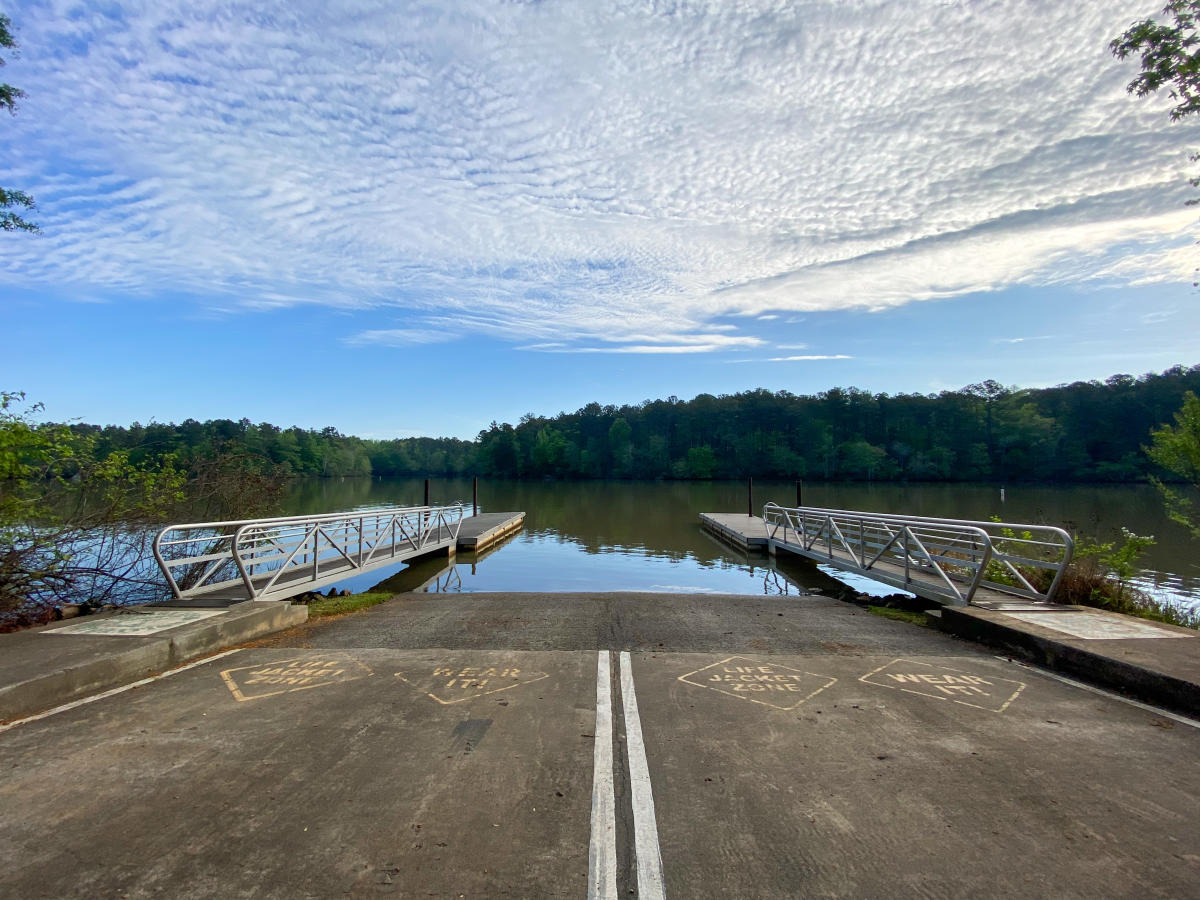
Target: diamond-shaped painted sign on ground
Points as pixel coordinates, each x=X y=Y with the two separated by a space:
x=283 y=676
x=453 y=682
x=943 y=683
x=766 y=683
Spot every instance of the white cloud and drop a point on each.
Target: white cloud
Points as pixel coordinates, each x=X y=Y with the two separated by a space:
x=676 y=343
x=589 y=173
x=808 y=358
x=401 y=337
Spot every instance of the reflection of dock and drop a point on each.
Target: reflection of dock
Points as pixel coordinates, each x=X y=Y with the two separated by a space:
x=436 y=575
x=477 y=556
x=439 y=574
x=481 y=531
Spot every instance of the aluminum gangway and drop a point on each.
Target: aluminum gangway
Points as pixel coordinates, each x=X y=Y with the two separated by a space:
x=273 y=559
x=954 y=561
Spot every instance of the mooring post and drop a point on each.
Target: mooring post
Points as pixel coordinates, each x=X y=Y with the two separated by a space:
x=799 y=494
x=750 y=496
x=475 y=496
x=426 y=491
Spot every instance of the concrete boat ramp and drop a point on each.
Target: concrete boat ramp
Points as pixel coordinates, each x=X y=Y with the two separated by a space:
x=598 y=745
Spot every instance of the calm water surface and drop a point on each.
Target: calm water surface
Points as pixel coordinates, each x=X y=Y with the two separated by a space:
x=645 y=536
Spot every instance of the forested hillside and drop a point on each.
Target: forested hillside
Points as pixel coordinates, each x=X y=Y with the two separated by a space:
x=1086 y=431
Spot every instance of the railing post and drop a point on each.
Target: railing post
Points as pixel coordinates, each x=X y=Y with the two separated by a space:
x=237 y=560
x=425 y=515
x=907 y=557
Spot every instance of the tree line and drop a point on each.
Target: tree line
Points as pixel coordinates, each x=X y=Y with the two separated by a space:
x=289 y=452
x=1088 y=431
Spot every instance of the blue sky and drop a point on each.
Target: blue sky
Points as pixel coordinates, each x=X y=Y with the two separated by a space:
x=408 y=219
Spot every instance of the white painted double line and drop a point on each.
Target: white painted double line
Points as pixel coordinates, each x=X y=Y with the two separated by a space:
x=602 y=855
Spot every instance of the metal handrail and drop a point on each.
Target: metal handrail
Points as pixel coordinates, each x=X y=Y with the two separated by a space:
x=256 y=553
x=981 y=554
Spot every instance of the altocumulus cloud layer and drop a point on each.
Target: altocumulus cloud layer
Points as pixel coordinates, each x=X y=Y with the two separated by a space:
x=595 y=176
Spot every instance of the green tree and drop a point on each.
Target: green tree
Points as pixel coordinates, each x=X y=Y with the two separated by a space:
x=9 y=95
x=1177 y=449
x=990 y=392
x=701 y=462
x=549 y=452
x=68 y=521
x=620 y=443
x=1170 y=53
x=77 y=518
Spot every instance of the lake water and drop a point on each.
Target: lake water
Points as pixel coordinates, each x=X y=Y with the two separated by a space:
x=646 y=536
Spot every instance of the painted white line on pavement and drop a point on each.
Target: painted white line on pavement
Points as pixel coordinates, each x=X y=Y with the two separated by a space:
x=1103 y=693
x=602 y=855
x=122 y=689
x=645 y=828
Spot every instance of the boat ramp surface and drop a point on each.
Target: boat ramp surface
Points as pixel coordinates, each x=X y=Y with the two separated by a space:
x=602 y=745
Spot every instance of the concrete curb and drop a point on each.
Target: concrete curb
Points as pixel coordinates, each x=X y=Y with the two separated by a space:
x=60 y=683
x=1138 y=681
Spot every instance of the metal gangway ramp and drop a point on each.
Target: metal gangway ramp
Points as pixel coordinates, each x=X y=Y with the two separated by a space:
x=272 y=559
x=953 y=561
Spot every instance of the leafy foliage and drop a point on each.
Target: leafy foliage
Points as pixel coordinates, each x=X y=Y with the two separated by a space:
x=12 y=221
x=1100 y=575
x=1177 y=450
x=75 y=520
x=1170 y=55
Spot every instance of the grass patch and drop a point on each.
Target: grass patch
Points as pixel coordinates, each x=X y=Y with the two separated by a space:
x=901 y=615
x=336 y=606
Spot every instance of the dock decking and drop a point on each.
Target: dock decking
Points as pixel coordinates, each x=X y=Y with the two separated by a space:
x=481 y=531
x=744 y=532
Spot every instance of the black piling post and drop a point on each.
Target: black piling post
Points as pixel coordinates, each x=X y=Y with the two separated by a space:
x=750 y=496
x=799 y=493
x=475 y=496
x=426 y=491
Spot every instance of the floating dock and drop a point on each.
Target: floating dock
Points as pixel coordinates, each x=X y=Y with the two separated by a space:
x=946 y=561
x=480 y=532
x=744 y=532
